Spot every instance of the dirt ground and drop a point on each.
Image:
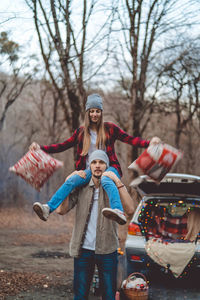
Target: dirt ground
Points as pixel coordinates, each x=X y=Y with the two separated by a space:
x=35 y=263
x=34 y=257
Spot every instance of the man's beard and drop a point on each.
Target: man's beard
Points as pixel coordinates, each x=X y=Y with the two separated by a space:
x=97 y=176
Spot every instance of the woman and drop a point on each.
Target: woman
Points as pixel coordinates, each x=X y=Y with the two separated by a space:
x=95 y=134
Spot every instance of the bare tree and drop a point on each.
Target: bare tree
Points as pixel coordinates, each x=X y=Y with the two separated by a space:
x=12 y=85
x=145 y=28
x=62 y=29
x=46 y=113
x=179 y=85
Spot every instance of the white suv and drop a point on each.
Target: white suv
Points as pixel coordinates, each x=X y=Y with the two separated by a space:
x=163 y=215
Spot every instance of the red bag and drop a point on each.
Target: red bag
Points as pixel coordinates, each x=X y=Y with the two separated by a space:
x=35 y=167
x=156 y=161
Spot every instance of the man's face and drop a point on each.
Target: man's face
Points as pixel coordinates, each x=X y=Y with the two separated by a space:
x=97 y=167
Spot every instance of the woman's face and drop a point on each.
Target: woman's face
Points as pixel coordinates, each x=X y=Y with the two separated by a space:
x=95 y=115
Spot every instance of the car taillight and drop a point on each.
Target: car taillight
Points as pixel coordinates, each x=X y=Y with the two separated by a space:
x=134 y=229
x=135 y=258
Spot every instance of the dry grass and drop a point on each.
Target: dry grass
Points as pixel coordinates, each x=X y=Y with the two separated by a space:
x=29 y=229
x=16 y=218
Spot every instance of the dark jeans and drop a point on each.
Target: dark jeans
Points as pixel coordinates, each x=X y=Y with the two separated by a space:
x=83 y=274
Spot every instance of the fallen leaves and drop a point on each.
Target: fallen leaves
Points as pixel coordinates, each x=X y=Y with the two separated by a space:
x=12 y=283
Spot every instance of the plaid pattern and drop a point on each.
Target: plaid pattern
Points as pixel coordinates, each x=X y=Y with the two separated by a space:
x=163 y=225
x=113 y=133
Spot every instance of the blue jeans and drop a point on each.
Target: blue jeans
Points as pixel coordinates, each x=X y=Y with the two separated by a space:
x=84 y=269
x=77 y=181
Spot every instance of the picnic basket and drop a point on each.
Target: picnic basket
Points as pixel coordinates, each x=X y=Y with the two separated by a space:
x=135 y=293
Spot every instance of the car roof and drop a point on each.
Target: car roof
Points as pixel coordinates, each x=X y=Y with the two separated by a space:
x=177 y=177
x=172 y=184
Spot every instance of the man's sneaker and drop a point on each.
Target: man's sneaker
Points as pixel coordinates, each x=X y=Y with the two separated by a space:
x=115 y=215
x=42 y=210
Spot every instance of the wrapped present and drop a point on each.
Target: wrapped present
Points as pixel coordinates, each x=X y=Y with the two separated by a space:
x=35 y=167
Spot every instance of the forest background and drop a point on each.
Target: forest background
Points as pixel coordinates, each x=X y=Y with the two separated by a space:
x=141 y=56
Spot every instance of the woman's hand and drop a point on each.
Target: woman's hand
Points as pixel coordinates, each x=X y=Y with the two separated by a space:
x=155 y=140
x=34 y=146
x=81 y=173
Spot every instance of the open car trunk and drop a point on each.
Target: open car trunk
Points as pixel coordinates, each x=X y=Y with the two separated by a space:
x=171 y=229
x=170 y=222
x=172 y=219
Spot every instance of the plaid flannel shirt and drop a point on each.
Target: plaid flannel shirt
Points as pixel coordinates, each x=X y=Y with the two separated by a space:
x=113 y=133
x=165 y=226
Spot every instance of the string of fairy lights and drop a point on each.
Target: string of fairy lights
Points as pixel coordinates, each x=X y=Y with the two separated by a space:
x=167 y=207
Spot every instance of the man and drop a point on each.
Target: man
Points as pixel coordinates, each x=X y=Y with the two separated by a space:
x=94 y=239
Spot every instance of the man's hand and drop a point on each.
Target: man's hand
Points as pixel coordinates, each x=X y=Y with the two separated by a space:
x=34 y=146
x=63 y=208
x=81 y=173
x=155 y=140
x=113 y=176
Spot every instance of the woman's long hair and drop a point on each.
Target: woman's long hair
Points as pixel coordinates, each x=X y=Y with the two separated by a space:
x=101 y=135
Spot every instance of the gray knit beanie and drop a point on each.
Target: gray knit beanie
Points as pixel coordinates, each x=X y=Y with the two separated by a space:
x=94 y=101
x=101 y=155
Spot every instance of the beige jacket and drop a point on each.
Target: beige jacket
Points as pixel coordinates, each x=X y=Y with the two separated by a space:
x=106 y=234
